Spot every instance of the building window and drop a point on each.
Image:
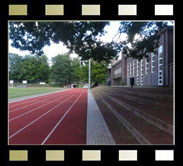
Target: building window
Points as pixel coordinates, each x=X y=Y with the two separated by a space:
x=128 y=73
x=152 y=62
x=137 y=68
x=131 y=69
x=137 y=72
x=142 y=73
x=160 y=65
x=117 y=71
x=134 y=68
x=147 y=66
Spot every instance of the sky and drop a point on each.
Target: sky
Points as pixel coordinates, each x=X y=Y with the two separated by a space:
x=55 y=49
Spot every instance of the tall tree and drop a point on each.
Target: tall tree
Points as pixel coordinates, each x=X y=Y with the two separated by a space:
x=43 y=69
x=62 y=70
x=14 y=66
x=30 y=68
x=76 y=70
x=98 y=72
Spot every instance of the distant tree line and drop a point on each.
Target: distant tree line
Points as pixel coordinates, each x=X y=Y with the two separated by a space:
x=63 y=71
x=31 y=68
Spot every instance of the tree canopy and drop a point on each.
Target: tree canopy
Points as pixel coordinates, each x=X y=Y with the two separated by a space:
x=98 y=72
x=79 y=37
x=30 y=68
x=64 y=70
x=147 y=41
x=82 y=37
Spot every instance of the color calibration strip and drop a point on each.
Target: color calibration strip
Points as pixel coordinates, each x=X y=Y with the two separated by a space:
x=164 y=155
x=18 y=10
x=54 y=10
x=91 y=10
x=55 y=155
x=18 y=155
x=127 y=10
x=91 y=155
x=127 y=155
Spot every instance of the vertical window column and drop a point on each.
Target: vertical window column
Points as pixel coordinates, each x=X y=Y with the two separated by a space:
x=131 y=74
x=142 y=73
x=152 y=62
x=160 y=65
x=137 y=72
x=134 y=68
x=128 y=73
x=147 y=66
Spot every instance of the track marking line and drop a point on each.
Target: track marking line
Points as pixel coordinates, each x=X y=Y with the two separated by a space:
x=35 y=109
x=45 y=98
x=29 y=100
x=61 y=119
x=39 y=117
x=34 y=97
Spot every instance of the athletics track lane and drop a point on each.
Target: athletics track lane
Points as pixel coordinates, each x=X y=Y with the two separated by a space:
x=34 y=127
x=18 y=104
x=25 y=117
x=36 y=105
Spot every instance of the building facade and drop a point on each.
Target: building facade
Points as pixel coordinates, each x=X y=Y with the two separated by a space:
x=157 y=70
x=119 y=72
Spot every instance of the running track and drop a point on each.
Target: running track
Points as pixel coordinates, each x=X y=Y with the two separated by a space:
x=58 y=118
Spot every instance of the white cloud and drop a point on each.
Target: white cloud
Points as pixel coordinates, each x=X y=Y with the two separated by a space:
x=55 y=49
x=17 y=51
x=112 y=30
x=73 y=55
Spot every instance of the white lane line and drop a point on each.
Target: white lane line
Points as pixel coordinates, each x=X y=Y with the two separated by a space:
x=36 y=108
x=20 y=93
x=46 y=98
x=61 y=119
x=28 y=94
x=28 y=100
x=32 y=97
x=18 y=102
x=40 y=117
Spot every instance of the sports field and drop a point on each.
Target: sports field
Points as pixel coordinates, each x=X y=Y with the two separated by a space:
x=21 y=92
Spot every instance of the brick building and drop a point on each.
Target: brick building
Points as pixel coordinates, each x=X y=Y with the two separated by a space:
x=158 y=71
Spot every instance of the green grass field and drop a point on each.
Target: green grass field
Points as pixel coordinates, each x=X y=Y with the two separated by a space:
x=21 y=92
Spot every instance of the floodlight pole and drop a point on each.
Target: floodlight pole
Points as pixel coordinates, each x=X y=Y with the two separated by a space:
x=89 y=75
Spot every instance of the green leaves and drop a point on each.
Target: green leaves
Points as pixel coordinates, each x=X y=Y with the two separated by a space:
x=148 y=38
x=98 y=72
x=30 y=68
x=79 y=37
x=65 y=70
x=82 y=38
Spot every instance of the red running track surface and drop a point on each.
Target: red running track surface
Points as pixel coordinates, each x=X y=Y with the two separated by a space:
x=58 y=118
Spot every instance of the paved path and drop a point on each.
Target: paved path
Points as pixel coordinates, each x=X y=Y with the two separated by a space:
x=97 y=131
